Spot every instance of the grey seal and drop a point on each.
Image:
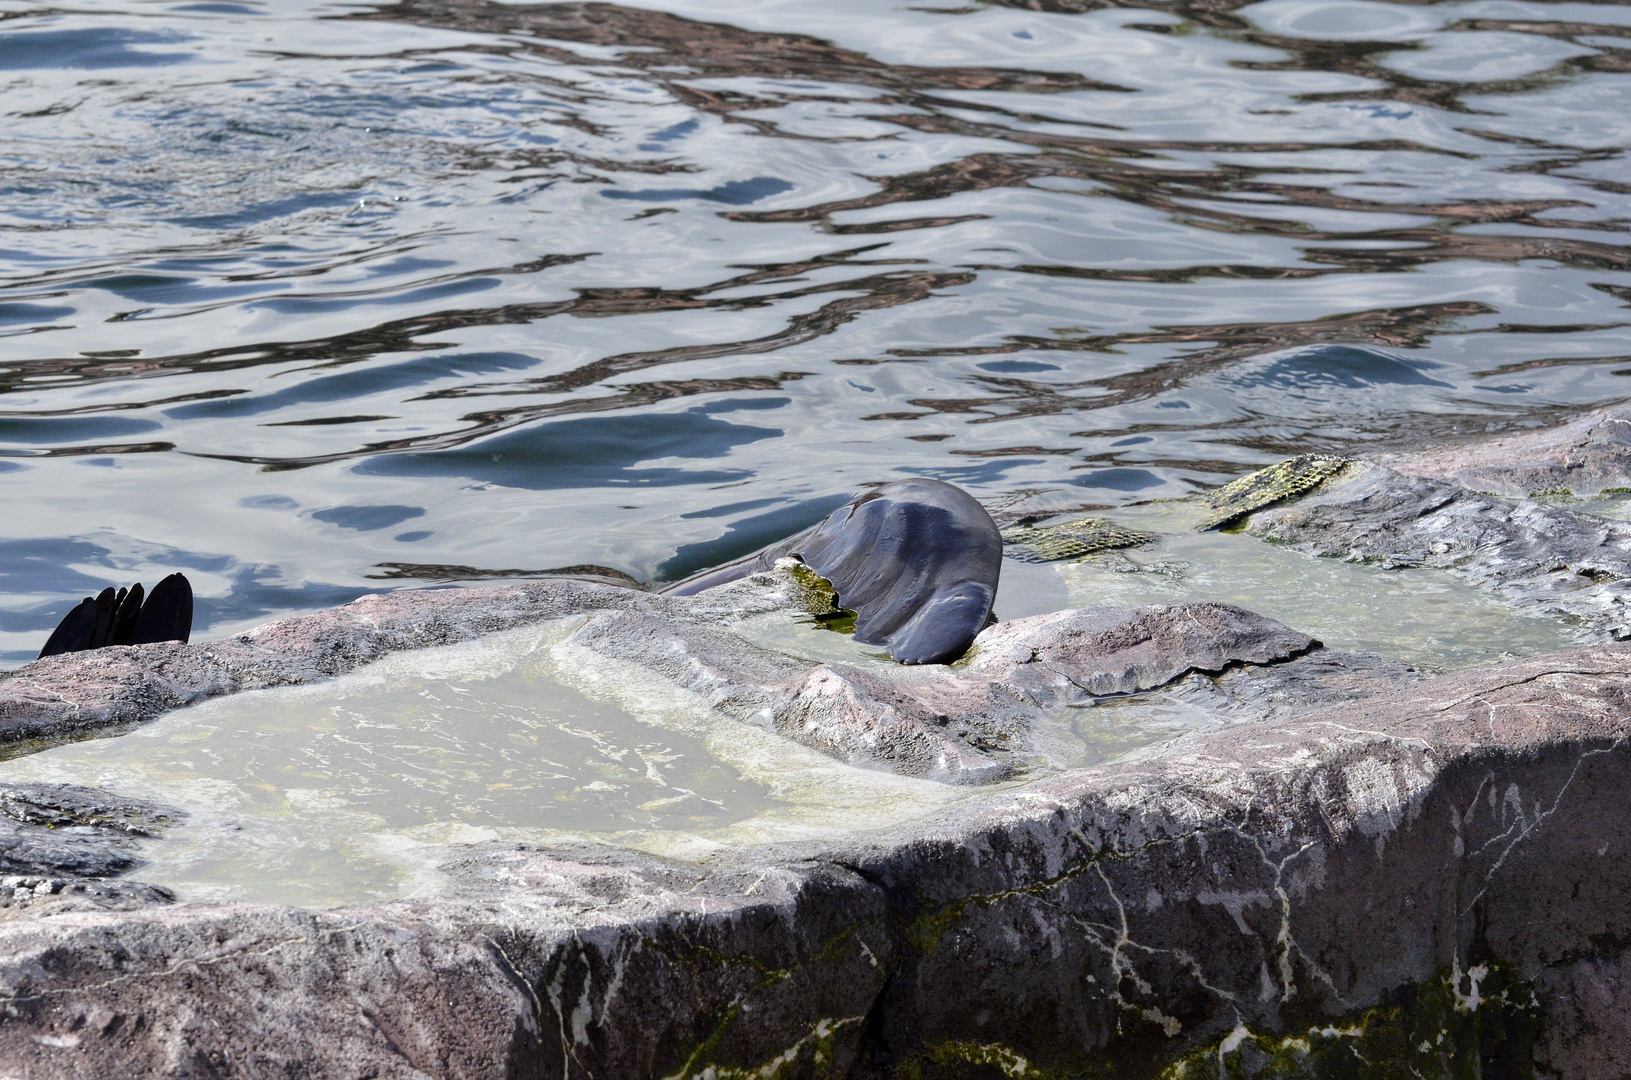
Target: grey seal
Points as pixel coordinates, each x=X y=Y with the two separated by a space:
x=916 y=560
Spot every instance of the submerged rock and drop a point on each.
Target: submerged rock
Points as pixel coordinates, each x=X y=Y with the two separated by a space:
x=1069 y=540
x=1418 y=510
x=1269 y=487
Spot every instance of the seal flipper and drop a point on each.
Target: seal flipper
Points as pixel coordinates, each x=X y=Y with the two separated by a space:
x=107 y=604
x=124 y=619
x=917 y=560
x=168 y=613
x=73 y=633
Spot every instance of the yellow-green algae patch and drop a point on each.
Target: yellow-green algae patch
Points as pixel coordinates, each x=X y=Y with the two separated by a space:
x=810 y=1056
x=819 y=598
x=1463 y=1025
x=1266 y=487
x=1069 y=540
x=957 y=1057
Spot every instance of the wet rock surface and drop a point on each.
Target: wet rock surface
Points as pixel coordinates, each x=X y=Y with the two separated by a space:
x=959 y=725
x=59 y=845
x=1372 y=864
x=1582 y=458
x=1264 y=882
x=882 y=716
x=85 y=692
x=1253 y=694
x=1540 y=556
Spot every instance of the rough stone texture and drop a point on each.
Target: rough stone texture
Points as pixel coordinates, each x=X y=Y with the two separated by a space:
x=126 y=684
x=1536 y=555
x=1319 y=678
x=1066 y=655
x=59 y=844
x=958 y=726
x=1274 y=877
x=1379 y=842
x=1581 y=458
x=65 y=806
x=953 y=726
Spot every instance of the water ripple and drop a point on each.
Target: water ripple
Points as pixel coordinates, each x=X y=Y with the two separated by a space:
x=307 y=298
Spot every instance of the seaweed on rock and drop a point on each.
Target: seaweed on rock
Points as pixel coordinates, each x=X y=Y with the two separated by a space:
x=1267 y=487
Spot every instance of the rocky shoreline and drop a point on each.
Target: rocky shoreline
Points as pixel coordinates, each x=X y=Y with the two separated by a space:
x=1371 y=866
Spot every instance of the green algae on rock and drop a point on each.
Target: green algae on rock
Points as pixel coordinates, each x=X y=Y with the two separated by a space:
x=1479 y=1022
x=1069 y=540
x=1266 y=487
x=818 y=598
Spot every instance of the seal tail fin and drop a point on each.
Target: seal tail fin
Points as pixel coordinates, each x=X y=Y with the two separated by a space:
x=123 y=619
x=73 y=633
x=168 y=613
x=107 y=605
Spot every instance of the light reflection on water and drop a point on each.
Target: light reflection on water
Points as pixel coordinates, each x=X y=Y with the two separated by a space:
x=313 y=299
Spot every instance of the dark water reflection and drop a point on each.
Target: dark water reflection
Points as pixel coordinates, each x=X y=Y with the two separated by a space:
x=315 y=299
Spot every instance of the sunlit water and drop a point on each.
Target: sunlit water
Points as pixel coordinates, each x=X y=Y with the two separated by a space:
x=314 y=299
x=309 y=299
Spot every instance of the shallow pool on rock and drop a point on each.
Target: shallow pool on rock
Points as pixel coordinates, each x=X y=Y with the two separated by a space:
x=1425 y=617
x=358 y=789
x=365 y=787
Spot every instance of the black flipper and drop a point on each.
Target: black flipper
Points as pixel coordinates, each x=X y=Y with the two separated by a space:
x=73 y=633
x=168 y=613
x=124 y=620
x=107 y=602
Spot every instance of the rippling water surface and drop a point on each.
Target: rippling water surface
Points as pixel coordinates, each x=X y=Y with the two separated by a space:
x=314 y=299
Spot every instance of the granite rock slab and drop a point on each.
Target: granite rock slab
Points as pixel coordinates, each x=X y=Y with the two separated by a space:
x=66 y=847
x=76 y=693
x=1373 y=864
x=1546 y=558
x=1582 y=458
x=1272 y=883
